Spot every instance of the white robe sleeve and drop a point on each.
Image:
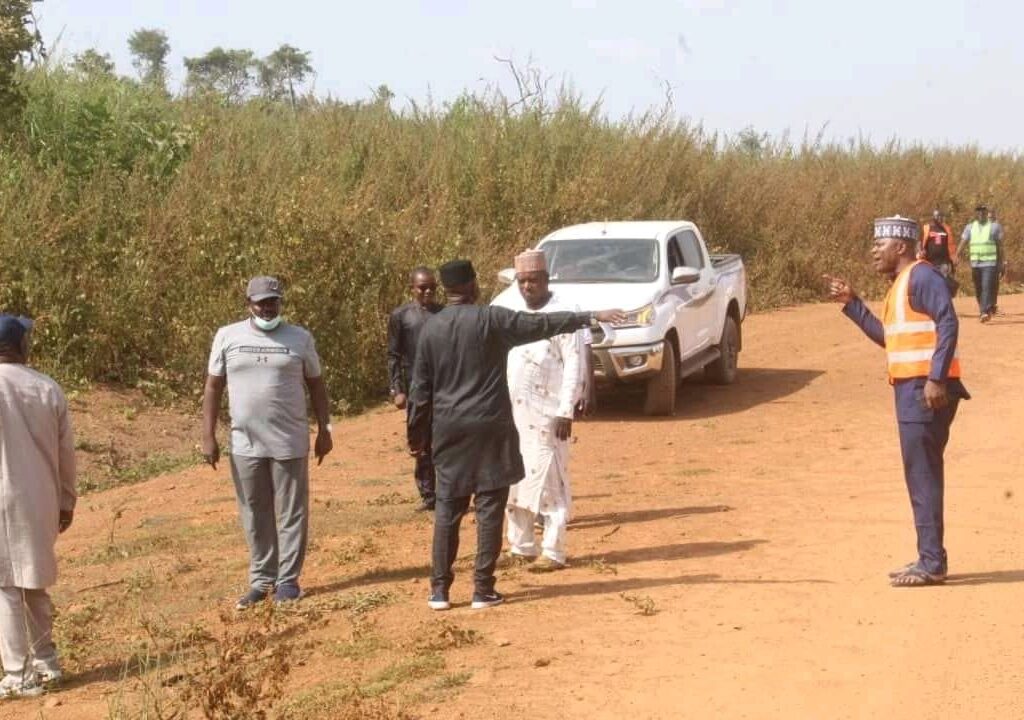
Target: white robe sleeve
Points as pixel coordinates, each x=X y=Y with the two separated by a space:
x=66 y=457
x=571 y=386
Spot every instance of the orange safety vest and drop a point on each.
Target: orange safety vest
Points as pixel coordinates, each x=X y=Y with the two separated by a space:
x=910 y=336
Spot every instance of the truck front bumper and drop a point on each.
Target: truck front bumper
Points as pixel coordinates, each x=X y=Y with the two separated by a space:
x=628 y=364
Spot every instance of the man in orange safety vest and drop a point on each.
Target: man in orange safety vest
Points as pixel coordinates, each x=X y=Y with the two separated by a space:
x=919 y=331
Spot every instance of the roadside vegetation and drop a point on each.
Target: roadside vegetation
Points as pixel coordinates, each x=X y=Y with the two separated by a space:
x=131 y=216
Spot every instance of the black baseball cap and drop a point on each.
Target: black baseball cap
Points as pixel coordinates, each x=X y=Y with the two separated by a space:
x=13 y=329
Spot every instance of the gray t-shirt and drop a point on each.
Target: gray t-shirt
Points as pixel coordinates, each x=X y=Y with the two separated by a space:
x=266 y=374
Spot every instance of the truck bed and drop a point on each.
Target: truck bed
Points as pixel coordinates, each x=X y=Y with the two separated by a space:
x=722 y=263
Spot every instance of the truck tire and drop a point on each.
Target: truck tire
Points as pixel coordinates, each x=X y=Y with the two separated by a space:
x=661 y=389
x=723 y=370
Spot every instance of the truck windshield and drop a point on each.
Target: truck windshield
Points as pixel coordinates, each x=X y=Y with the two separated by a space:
x=602 y=260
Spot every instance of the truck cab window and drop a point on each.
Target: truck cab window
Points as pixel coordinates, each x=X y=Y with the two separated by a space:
x=675 y=257
x=692 y=256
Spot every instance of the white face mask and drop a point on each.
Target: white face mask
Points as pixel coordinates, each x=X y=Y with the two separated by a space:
x=266 y=325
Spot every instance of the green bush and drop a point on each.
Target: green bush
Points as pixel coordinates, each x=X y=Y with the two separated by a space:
x=130 y=220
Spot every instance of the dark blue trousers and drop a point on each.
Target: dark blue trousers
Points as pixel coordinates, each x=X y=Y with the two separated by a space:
x=923 y=445
x=986 y=288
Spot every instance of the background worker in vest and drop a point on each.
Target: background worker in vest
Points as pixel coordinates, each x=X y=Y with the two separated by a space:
x=983 y=241
x=919 y=331
x=939 y=248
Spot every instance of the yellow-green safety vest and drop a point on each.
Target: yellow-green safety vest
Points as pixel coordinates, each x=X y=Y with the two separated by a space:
x=983 y=246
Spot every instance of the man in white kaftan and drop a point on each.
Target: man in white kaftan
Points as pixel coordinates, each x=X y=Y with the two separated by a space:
x=546 y=381
x=37 y=501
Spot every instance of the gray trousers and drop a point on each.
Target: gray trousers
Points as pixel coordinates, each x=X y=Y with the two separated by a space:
x=26 y=627
x=273 y=505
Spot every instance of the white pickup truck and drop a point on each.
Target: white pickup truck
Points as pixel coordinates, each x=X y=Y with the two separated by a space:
x=684 y=305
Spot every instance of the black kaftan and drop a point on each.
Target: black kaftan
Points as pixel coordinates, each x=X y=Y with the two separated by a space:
x=459 y=401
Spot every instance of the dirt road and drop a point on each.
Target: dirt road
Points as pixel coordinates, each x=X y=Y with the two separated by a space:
x=757 y=526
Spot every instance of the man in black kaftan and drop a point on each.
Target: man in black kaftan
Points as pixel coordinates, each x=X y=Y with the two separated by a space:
x=460 y=408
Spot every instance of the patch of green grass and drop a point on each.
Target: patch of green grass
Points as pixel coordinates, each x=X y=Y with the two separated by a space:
x=374 y=481
x=449 y=681
x=89 y=446
x=360 y=603
x=120 y=472
x=358 y=648
x=339 y=700
x=402 y=672
x=445 y=635
x=393 y=498
x=178 y=539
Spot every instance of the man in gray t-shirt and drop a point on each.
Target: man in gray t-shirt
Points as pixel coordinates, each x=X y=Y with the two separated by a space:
x=266 y=365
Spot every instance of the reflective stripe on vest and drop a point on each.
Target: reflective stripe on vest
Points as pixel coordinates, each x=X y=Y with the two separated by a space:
x=910 y=336
x=983 y=246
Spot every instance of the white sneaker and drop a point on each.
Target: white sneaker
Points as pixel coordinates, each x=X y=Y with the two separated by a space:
x=12 y=686
x=48 y=672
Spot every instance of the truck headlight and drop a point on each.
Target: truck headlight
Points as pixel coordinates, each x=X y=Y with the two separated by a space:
x=641 y=317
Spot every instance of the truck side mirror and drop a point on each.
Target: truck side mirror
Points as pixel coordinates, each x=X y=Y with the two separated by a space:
x=685 y=275
x=507 y=276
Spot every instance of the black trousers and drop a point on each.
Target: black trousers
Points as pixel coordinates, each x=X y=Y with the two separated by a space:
x=448 y=514
x=426 y=478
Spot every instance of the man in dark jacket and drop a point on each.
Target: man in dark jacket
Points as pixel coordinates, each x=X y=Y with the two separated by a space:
x=938 y=246
x=403 y=332
x=460 y=408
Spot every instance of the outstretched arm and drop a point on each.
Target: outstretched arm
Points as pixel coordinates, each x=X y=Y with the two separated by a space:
x=520 y=328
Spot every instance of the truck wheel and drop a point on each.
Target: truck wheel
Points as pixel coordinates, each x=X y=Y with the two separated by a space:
x=723 y=370
x=661 y=389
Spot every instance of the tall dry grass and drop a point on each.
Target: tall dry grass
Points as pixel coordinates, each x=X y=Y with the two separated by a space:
x=129 y=221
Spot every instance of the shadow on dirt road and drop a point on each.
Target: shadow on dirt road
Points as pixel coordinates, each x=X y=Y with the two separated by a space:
x=635 y=516
x=697 y=399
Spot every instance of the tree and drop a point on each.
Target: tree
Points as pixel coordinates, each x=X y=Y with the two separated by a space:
x=93 y=64
x=283 y=70
x=149 y=49
x=227 y=72
x=18 y=38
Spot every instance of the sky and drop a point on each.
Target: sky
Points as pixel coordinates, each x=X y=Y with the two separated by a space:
x=935 y=72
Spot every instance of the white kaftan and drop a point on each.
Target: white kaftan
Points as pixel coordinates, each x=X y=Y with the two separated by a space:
x=37 y=475
x=545 y=381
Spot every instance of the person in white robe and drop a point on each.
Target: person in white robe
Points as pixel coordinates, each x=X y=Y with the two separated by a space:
x=546 y=381
x=37 y=502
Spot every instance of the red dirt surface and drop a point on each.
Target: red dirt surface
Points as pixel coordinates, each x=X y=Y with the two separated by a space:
x=757 y=525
